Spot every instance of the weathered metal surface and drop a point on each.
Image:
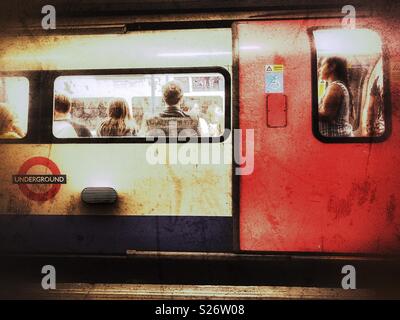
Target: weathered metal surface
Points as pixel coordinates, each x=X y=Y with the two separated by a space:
x=306 y=195
x=143 y=188
x=147 y=49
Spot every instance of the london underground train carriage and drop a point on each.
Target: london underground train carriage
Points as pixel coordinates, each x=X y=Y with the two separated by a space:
x=307 y=192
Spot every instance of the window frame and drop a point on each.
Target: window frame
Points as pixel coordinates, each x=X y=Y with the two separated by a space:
x=49 y=105
x=386 y=92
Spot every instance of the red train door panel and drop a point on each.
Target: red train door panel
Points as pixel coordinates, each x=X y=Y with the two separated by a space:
x=308 y=195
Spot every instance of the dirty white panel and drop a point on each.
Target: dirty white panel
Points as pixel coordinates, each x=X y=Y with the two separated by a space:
x=143 y=188
x=148 y=49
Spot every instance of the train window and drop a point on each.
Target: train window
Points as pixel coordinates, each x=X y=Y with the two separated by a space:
x=139 y=105
x=349 y=82
x=14 y=104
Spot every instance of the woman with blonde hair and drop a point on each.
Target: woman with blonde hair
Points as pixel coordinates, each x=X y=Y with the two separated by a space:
x=118 y=122
x=8 y=128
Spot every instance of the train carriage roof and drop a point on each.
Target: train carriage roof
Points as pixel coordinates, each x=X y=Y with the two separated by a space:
x=27 y=13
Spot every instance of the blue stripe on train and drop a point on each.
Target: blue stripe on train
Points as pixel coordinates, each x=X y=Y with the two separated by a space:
x=113 y=235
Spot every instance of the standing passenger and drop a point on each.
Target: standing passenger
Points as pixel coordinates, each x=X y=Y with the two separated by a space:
x=62 y=127
x=335 y=108
x=375 y=125
x=118 y=120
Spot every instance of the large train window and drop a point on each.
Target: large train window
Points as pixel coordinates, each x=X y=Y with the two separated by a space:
x=14 y=104
x=349 y=86
x=139 y=105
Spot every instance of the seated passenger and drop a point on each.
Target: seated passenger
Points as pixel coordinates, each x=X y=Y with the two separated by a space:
x=62 y=126
x=118 y=122
x=335 y=108
x=173 y=119
x=8 y=128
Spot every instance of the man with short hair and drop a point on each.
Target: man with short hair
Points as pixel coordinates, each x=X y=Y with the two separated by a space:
x=63 y=127
x=173 y=97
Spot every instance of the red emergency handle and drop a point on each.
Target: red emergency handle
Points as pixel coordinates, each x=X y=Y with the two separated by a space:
x=276 y=110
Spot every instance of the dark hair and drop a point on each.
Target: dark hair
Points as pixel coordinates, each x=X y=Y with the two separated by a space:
x=62 y=104
x=340 y=70
x=118 y=109
x=172 y=93
x=118 y=113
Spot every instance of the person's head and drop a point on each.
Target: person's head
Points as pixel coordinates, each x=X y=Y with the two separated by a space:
x=172 y=93
x=137 y=111
x=118 y=110
x=334 y=68
x=62 y=106
x=118 y=122
x=6 y=119
x=204 y=107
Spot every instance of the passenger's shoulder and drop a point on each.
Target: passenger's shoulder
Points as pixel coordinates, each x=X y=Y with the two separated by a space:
x=335 y=89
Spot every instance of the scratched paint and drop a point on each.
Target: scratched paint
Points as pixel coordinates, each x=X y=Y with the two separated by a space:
x=143 y=189
x=306 y=195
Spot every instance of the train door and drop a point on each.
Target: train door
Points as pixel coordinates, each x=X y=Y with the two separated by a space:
x=312 y=189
